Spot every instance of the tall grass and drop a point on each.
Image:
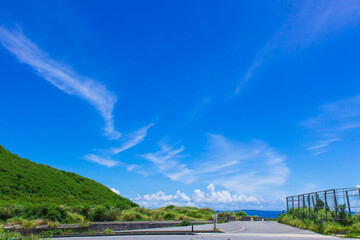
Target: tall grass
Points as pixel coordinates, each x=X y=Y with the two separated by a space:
x=317 y=221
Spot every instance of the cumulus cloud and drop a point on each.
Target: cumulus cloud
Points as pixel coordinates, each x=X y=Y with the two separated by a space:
x=213 y=196
x=62 y=77
x=115 y=191
x=219 y=200
x=245 y=168
x=161 y=196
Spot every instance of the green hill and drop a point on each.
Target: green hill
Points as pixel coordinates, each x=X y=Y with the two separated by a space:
x=23 y=181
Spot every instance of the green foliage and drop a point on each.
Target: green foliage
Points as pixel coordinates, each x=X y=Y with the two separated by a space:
x=238 y=214
x=5 y=235
x=351 y=235
x=24 y=181
x=169 y=207
x=34 y=194
x=108 y=231
x=184 y=223
x=241 y=214
x=320 y=204
x=74 y=218
x=315 y=221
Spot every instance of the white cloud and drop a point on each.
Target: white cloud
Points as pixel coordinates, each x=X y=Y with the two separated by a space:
x=167 y=161
x=213 y=196
x=314 y=21
x=61 y=76
x=219 y=200
x=107 y=162
x=115 y=191
x=161 y=196
x=340 y=115
x=133 y=139
x=333 y=119
x=321 y=146
x=245 y=168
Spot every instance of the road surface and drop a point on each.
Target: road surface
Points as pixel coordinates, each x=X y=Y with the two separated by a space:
x=267 y=230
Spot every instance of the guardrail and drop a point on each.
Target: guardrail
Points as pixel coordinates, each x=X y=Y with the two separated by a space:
x=336 y=204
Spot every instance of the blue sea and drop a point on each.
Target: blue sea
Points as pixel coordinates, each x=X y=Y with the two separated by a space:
x=261 y=213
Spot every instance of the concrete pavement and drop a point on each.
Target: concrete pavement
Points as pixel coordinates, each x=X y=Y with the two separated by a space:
x=232 y=231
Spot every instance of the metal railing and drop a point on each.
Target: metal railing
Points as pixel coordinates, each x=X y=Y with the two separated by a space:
x=337 y=204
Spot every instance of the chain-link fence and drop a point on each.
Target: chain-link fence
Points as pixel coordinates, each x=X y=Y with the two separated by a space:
x=334 y=204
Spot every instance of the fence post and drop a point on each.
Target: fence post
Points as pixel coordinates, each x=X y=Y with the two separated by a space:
x=326 y=205
x=316 y=202
x=298 y=203
x=287 y=204
x=335 y=203
x=312 y=199
x=303 y=200
x=348 y=202
x=309 y=206
x=292 y=202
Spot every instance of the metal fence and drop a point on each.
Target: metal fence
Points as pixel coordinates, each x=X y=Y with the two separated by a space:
x=336 y=204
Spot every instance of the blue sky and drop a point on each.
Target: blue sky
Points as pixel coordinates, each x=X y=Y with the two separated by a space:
x=230 y=105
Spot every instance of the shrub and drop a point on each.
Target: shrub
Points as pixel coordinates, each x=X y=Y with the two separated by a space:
x=74 y=218
x=98 y=214
x=54 y=224
x=169 y=207
x=5 y=213
x=184 y=223
x=131 y=215
x=240 y=214
x=108 y=231
x=10 y=235
x=169 y=216
x=183 y=217
x=29 y=224
x=15 y=221
x=355 y=228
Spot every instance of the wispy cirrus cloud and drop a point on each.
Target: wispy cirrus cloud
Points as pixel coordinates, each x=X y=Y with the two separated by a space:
x=105 y=156
x=167 y=161
x=241 y=167
x=333 y=119
x=61 y=76
x=321 y=146
x=105 y=161
x=133 y=139
x=313 y=21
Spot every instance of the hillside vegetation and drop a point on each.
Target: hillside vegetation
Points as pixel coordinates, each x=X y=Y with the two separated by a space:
x=33 y=194
x=23 y=181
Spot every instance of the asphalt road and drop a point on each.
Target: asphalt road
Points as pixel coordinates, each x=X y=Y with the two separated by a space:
x=232 y=231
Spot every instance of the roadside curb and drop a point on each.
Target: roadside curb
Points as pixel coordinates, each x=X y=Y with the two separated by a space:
x=129 y=233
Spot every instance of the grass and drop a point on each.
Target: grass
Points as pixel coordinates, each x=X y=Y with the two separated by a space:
x=349 y=225
x=351 y=235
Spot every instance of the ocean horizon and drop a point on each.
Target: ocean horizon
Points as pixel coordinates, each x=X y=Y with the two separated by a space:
x=261 y=213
